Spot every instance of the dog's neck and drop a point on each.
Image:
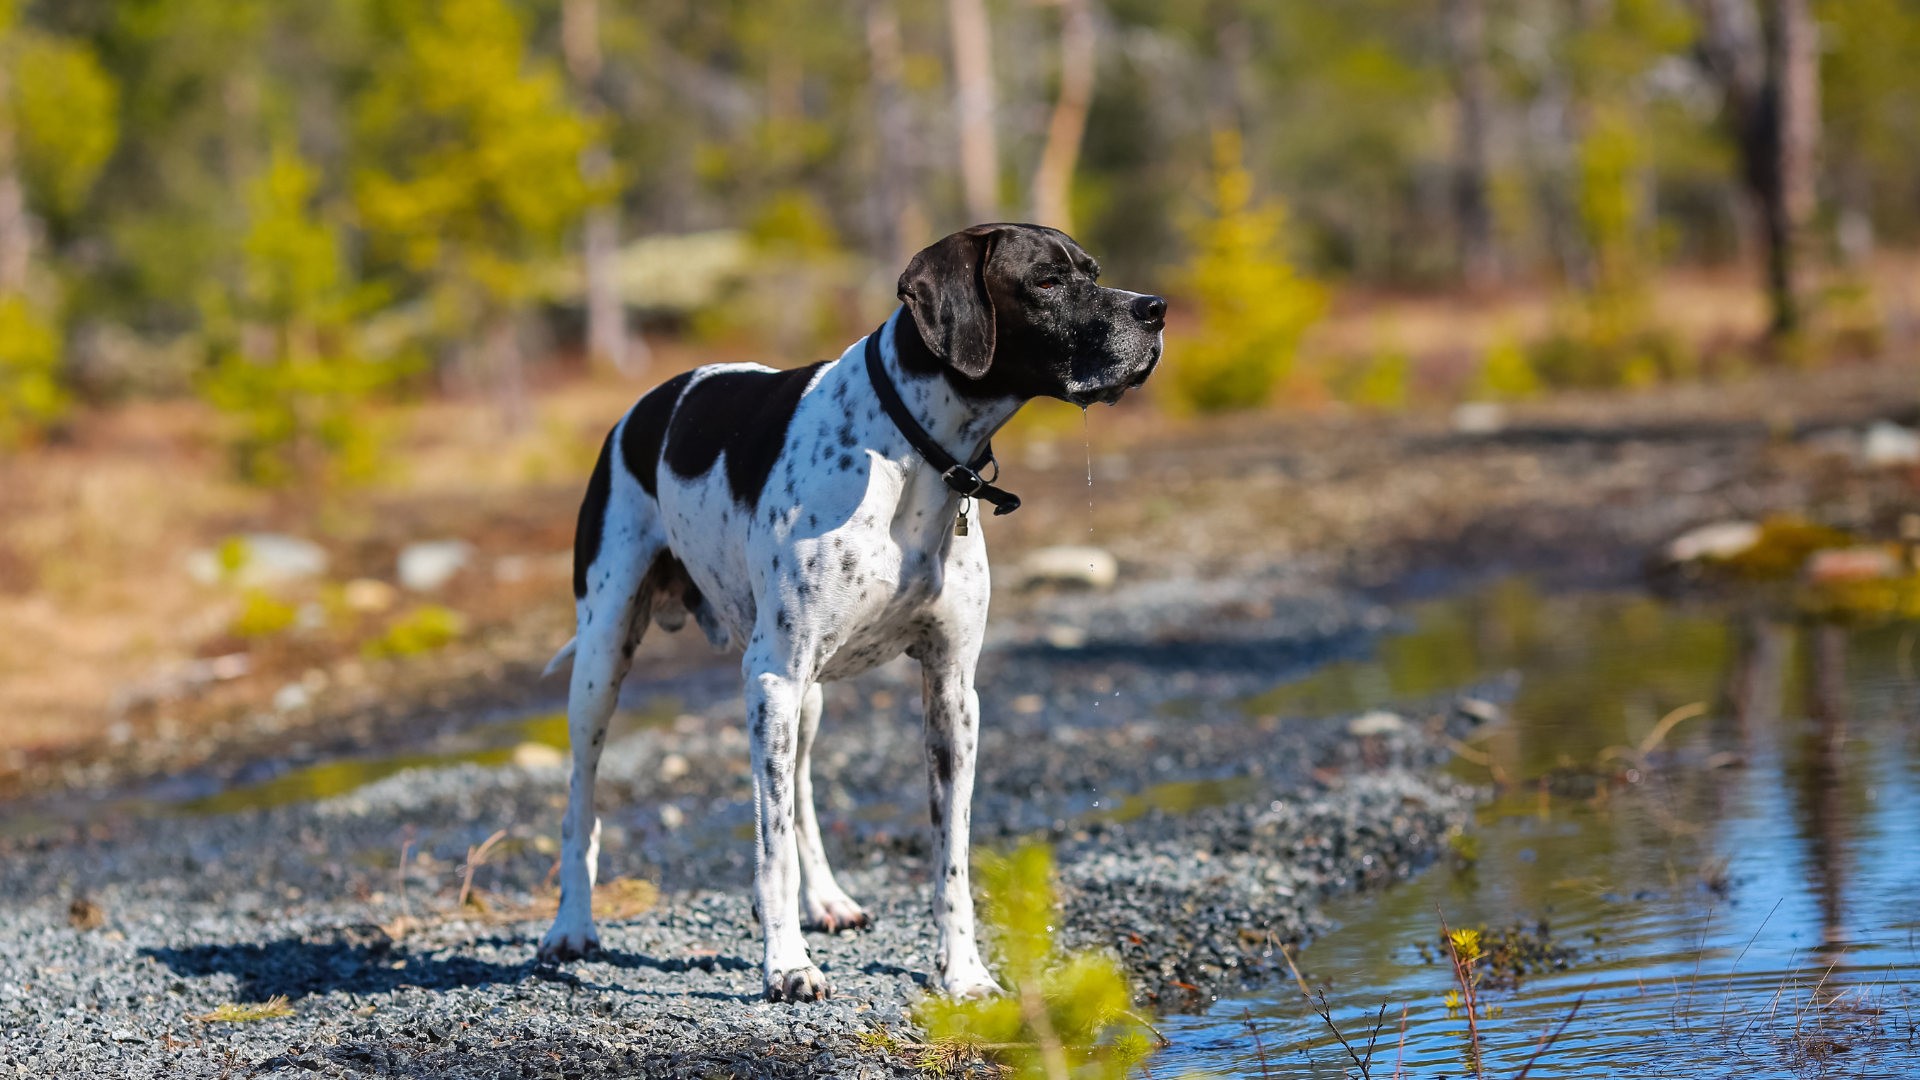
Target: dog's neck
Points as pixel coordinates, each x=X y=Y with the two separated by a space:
x=961 y=423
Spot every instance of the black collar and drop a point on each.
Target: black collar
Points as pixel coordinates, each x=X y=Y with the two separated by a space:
x=964 y=479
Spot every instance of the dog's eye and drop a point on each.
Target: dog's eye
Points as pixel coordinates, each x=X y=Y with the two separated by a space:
x=1049 y=283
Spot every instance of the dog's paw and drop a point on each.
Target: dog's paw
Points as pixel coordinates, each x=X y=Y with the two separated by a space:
x=563 y=944
x=798 y=984
x=836 y=914
x=970 y=980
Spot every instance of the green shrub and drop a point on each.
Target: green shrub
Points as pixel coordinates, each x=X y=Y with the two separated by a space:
x=423 y=629
x=289 y=370
x=262 y=615
x=30 y=392
x=1252 y=306
x=1073 y=1009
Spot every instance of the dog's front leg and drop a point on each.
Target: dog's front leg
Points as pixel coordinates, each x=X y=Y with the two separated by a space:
x=773 y=714
x=952 y=731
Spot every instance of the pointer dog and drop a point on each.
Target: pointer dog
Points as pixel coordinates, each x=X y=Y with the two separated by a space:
x=789 y=513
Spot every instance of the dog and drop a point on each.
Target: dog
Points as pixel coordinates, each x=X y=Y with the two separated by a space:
x=814 y=518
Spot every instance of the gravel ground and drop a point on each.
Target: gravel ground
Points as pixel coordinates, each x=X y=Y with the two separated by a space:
x=1191 y=837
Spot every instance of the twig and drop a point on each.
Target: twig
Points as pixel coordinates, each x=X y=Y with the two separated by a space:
x=1743 y=956
x=1698 y=956
x=1052 y=1055
x=1326 y=1013
x=401 y=873
x=1547 y=1040
x=1399 y=1053
x=476 y=856
x=1374 y=1038
x=1143 y=1022
x=1464 y=977
x=1259 y=1047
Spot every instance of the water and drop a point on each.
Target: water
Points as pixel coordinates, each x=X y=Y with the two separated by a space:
x=1745 y=904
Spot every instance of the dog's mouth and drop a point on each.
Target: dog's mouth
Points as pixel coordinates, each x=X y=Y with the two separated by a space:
x=1112 y=393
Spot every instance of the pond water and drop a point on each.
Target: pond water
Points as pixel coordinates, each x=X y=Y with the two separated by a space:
x=1742 y=901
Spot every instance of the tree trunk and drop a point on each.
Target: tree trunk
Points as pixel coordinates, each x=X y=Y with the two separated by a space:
x=508 y=371
x=607 y=337
x=16 y=229
x=1053 y=183
x=1795 y=60
x=1769 y=75
x=1467 y=34
x=903 y=223
x=973 y=102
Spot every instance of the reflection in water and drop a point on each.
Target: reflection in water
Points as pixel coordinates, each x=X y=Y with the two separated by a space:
x=1753 y=920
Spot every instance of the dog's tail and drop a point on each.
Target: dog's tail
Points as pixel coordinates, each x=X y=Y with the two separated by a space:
x=565 y=654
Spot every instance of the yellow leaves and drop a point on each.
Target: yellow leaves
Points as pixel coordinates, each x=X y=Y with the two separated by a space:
x=1253 y=308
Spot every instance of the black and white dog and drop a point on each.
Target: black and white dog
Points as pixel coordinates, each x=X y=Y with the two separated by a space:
x=799 y=515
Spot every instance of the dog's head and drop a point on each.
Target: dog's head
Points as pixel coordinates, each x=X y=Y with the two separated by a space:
x=1015 y=311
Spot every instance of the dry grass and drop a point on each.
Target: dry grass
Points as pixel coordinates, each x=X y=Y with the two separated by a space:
x=234 y=1013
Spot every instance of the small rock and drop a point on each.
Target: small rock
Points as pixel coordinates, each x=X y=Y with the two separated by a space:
x=1720 y=540
x=429 y=564
x=533 y=755
x=1479 y=417
x=1378 y=722
x=291 y=697
x=1851 y=564
x=258 y=560
x=673 y=767
x=84 y=914
x=671 y=816
x=127 y=1035
x=1062 y=636
x=368 y=595
x=1890 y=444
x=1072 y=564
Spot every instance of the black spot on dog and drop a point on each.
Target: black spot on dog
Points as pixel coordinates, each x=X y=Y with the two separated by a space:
x=646 y=431
x=943 y=763
x=742 y=413
x=846 y=463
x=781 y=620
x=848 y=562
x=593 y=517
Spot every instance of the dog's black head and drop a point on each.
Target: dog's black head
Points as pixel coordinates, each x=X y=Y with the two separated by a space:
x=1014 y=311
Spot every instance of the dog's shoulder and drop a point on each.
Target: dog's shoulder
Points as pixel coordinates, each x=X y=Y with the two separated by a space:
x=744 y=410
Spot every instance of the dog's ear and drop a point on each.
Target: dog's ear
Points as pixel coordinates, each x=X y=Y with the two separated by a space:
x=945 y=290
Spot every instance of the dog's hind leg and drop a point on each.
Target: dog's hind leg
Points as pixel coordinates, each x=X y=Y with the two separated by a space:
x=825 y=905
x=614 y=600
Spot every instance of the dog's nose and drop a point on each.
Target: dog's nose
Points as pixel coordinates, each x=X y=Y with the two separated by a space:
x=1149 y=309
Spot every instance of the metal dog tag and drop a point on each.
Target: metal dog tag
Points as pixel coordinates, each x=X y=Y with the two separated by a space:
x=960 y=523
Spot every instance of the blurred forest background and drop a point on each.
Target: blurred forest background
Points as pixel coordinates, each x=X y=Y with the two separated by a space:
x=257 y=254
x=287 y=207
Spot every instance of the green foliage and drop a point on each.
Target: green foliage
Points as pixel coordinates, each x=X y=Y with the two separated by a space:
x=30 y=391
x=65 y=109
x=293 y=377
x=424 y=629
x=1075 y=1006
x=470 y=156
x=1383 y=383
x=1506 y=374
x=262 y=615
x=1252 y=306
